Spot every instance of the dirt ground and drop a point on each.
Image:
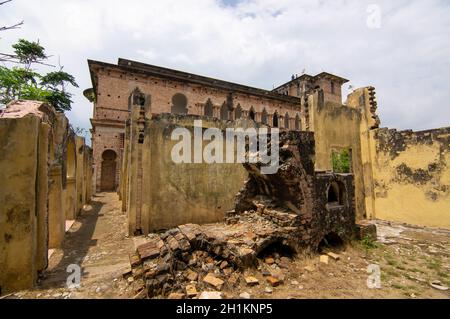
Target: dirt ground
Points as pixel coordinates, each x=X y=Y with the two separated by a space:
x=410 y=259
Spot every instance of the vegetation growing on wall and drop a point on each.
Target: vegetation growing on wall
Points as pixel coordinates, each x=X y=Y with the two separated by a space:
x=341 y=161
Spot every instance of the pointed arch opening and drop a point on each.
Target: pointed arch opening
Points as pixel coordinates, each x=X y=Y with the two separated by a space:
x=209 y=109
x=297 y=123
x=238 y=112
x=224 y=112
x=275 y=120
x=252 y=114
x=286 y=120
x=264 y=117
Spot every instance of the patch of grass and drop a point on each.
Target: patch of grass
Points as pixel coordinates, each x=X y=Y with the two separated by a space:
x=368 y=243
x=434 y=264
x=398 y=286
x=390 y=272
x=391 y=262
x=399 y=267
x=442 y=274
x=420 y=271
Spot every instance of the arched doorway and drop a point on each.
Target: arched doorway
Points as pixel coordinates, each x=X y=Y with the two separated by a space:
x=108 y=177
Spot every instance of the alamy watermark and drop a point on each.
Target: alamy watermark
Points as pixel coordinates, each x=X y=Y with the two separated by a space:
x=374 y=16
x=374 y=279
x=74 y=279
x=237 y=146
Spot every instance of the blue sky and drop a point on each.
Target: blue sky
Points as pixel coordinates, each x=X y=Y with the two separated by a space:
x=259 y=43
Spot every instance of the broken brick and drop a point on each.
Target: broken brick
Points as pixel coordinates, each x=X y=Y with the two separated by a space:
x=213 y=281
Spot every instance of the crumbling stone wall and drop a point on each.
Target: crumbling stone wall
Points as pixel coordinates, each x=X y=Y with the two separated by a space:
x=300 y=193
x=161 y=194
x=412 y=176
x=34 y=197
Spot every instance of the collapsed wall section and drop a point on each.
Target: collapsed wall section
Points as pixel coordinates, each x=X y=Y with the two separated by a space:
x=323 y=203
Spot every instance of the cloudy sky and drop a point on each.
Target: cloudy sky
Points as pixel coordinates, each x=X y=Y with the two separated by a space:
x=400 y=47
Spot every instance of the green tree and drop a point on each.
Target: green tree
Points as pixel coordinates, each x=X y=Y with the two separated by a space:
x=22 y=82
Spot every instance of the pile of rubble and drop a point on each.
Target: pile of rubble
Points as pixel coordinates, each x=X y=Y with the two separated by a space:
x=192 y=258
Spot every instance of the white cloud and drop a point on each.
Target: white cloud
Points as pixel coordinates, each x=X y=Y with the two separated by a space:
x=259 y=43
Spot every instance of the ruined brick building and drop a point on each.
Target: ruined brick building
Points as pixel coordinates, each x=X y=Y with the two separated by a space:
x=387 y=165
x=51 y=173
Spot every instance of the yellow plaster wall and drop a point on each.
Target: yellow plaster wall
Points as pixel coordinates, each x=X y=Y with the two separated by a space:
x=337 y=127
x=412 y=177
x=173 y=194
x=18 y=220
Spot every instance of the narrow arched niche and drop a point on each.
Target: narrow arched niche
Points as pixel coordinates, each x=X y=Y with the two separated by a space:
x=336 y=195
x=264 y=117
x=224 y=112
x=238 y=112
x=275 y=120
x=297 y=123
x=286 y=121
x=209 y=109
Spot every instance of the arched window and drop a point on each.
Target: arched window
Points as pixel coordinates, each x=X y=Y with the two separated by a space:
x=224 y=112
x=264 y=117
x=136 y=98
x=286 y=120
x=179 y=104
x=251 y=114
x=275 y=120
x=238 y=112
x=209 y=108
x=297 y=123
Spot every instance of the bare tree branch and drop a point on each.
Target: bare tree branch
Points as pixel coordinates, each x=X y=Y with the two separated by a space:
x=4 y=57
x=12 y=27
x=15 y=26
x=3 y=2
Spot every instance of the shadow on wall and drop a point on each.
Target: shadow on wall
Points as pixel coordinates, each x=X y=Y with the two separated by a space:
x=75 y=247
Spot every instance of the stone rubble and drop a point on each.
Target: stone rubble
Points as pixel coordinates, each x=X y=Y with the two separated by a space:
x=190 y=259
x=265 y=229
